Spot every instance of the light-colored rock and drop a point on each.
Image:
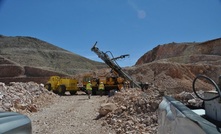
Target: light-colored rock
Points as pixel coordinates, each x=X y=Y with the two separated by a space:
x=18 y=96
x=106 y=108
x=123 y=107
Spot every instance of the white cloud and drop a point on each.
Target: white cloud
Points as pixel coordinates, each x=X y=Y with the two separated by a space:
x=141 y=14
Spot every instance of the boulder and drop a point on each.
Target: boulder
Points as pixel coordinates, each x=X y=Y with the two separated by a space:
x=106 y=108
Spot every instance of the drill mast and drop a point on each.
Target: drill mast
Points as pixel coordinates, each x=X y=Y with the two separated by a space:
x=113 y=65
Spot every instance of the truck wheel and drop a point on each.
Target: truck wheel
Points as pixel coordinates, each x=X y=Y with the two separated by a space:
x=48 y=87
x=72 y=92
x=94 y=91
x=55 y=91
x=61 y=89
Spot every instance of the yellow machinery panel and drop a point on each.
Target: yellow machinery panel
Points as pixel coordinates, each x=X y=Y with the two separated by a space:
x=110 y=83
x=61 y=85
x=71 y=84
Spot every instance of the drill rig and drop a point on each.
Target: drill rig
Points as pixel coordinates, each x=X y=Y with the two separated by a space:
x=111 y=62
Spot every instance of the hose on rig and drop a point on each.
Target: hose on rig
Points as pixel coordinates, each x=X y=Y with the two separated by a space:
x=214 y=84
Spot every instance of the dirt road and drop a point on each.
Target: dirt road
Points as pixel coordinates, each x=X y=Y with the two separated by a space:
x=70 y=115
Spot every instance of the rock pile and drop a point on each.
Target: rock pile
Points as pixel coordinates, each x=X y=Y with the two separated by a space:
x=189 y=98
x=24 y=97
x=134 y=111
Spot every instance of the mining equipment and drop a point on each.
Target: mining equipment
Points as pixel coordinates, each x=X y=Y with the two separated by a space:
x=176 y=118
x=111 y=62
x=119 y=78
x=110 y=83
x=60 y=85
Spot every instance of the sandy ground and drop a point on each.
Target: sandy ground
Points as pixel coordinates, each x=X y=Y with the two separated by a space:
x=70 y=115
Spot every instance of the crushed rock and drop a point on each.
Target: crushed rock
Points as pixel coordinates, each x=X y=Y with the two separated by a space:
x=136 y=111
x=24 y=97
x=129 y=111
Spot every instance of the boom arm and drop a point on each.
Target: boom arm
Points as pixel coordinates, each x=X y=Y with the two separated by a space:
x=113 y=65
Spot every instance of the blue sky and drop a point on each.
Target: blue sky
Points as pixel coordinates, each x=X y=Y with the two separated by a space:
x=120 y=26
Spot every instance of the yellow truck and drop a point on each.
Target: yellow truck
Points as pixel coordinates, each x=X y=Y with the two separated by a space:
x=110 y=83
x=60 y=85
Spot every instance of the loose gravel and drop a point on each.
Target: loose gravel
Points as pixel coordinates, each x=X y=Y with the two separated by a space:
x=70 y=115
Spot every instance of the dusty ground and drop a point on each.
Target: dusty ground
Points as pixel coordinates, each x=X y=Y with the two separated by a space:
x=70 y=115
x=133 y=111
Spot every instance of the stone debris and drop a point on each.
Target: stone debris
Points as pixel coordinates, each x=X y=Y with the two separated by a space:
x=133 y=111
x=190 y=99
x=136 y=112
x=23 y=97
x=106 y=108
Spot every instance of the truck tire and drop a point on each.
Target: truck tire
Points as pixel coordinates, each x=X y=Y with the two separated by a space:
x=94 y=91
x=61 y=89
x=48 y=86
x=55 y=91
x=72 y=92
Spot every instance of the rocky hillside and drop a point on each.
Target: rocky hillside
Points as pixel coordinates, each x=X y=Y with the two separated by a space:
x=22 y=57
x=198 y=53
x=172 y=67
x=169 y=69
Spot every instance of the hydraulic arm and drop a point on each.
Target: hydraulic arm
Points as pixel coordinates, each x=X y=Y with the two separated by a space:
x=112 y=64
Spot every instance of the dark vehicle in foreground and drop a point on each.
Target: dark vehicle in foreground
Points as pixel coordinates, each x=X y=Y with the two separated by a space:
x=14 y=123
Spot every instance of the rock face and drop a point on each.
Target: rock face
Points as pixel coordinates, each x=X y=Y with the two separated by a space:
x=11 y=71
x=173 y=77
x=24 y=59
x=172 y=67
x=207 y=52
